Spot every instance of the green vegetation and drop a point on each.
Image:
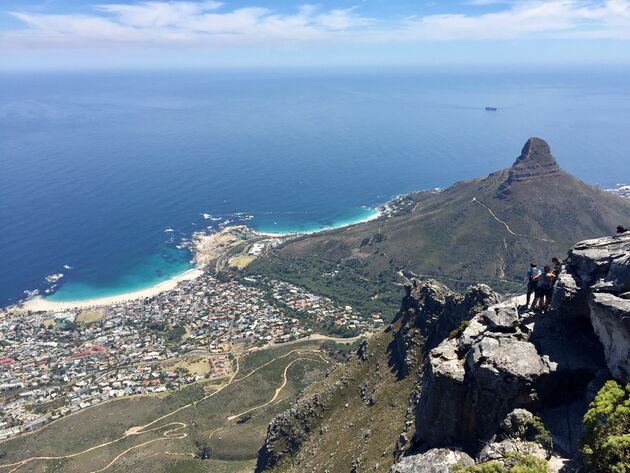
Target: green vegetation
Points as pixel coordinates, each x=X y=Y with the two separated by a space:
x=202 y=449
x=175 y=334
x=49 y=406
x=349 y=283
x=540 y=434
x=340 y=352
x=512 y=463
x=456 y=333
x=233 y=447
x=361 y=410
x=606 y=436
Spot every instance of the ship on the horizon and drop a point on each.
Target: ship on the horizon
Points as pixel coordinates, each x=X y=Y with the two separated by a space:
x=491 y=109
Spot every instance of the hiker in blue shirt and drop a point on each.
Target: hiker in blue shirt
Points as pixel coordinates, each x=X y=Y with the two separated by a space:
x=532 y=273
x=544 y=288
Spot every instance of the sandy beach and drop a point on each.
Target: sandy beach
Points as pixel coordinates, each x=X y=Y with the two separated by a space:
x=208 y=247
x=39 y=303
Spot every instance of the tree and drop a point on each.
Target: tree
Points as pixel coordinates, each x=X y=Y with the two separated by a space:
x=606 y=437
x=203 y=450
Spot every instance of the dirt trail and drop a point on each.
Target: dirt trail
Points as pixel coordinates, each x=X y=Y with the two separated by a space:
x=170 y=434
x=278 y=390
x=507 y=226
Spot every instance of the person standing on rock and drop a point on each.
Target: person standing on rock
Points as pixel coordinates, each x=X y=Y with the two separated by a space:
x=532 y=273
x=544 y=288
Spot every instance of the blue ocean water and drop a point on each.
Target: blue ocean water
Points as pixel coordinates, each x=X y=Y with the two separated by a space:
x=95 y=167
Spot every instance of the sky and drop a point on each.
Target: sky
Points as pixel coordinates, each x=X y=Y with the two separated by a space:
x=102 y=34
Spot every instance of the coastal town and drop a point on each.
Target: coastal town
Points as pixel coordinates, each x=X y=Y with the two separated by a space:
x=55 y=363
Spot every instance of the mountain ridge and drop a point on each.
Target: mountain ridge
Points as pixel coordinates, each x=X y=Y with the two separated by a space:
x=485 y=229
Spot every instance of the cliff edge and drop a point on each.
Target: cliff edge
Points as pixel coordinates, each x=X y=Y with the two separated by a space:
x=465 y=379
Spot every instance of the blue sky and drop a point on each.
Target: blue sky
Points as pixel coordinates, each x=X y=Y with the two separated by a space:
x=87 y=34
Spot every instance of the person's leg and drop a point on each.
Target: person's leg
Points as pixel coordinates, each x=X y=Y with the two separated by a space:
x=547 y=298
x=530 y=289
x=536 y=298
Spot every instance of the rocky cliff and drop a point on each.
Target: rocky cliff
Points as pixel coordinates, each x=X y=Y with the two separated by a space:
x=596 y=284
x=535 y=165
x=362 y=416
x=463 y=379
x=550 y=365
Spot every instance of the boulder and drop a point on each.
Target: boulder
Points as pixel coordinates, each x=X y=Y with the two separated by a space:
x=610 y=316
x=499 y=450
x=437 y=460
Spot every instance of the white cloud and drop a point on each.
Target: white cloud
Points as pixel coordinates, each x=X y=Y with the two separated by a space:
x=212 y=22
x=157 y=14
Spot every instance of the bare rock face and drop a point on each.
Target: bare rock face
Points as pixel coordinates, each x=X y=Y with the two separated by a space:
x=610 y=316
x=503 y=360
x=594 y=284
x=535 y=163
x=430 y=311
x=437 y=460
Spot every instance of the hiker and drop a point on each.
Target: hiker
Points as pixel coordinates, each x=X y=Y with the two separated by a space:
x=532 y=273
x=543 y=289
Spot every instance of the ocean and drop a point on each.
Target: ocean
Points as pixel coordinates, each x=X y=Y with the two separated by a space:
x=103 y=175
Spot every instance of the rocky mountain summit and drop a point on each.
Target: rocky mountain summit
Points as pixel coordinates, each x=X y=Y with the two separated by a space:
x=535 y=165
x=482 y=378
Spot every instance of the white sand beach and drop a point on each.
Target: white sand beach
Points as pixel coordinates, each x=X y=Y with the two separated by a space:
x=39 y=303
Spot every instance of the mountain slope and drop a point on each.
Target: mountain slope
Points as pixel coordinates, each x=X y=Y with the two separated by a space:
x=485 y=229
x=432 y=391
x=360 y=416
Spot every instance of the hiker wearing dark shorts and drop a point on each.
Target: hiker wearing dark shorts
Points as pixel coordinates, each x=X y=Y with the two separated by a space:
x=543 y=289
x=532 y=273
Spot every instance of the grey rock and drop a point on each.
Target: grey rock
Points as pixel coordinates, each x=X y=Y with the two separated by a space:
x=610 y=316
x=437 y=460
x=569 y=295
x=501 y=319
x=499 y=450
x=516 y=422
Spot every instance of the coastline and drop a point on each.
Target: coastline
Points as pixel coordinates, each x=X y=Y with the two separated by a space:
x=379 y=212
x=206 y=247
x=41 y=304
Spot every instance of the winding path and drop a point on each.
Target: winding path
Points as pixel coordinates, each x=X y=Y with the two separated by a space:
x=278 y=390
x=173 y=433
x=507 y=226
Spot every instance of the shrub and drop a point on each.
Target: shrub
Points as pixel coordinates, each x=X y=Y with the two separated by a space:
x=606 y=436
x=459 y=330
x=512 y=463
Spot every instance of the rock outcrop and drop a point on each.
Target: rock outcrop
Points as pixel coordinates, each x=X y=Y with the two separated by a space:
x=535 y=163
x=384 y=371
x=549 y=364
x=438 y=460
x=596 y=284
x=503 y=360
x=429 y=312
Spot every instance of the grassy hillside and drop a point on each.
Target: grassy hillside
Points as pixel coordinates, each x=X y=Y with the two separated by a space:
x=364 y=414
x=172 y=443
x=480 y=230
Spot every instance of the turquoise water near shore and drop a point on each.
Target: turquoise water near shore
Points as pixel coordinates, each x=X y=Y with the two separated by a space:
x=359 y=215
x=171 y=263
x=111 y=173
x=154 y=270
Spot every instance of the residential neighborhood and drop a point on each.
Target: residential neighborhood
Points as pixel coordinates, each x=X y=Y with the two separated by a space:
x=55 y=363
